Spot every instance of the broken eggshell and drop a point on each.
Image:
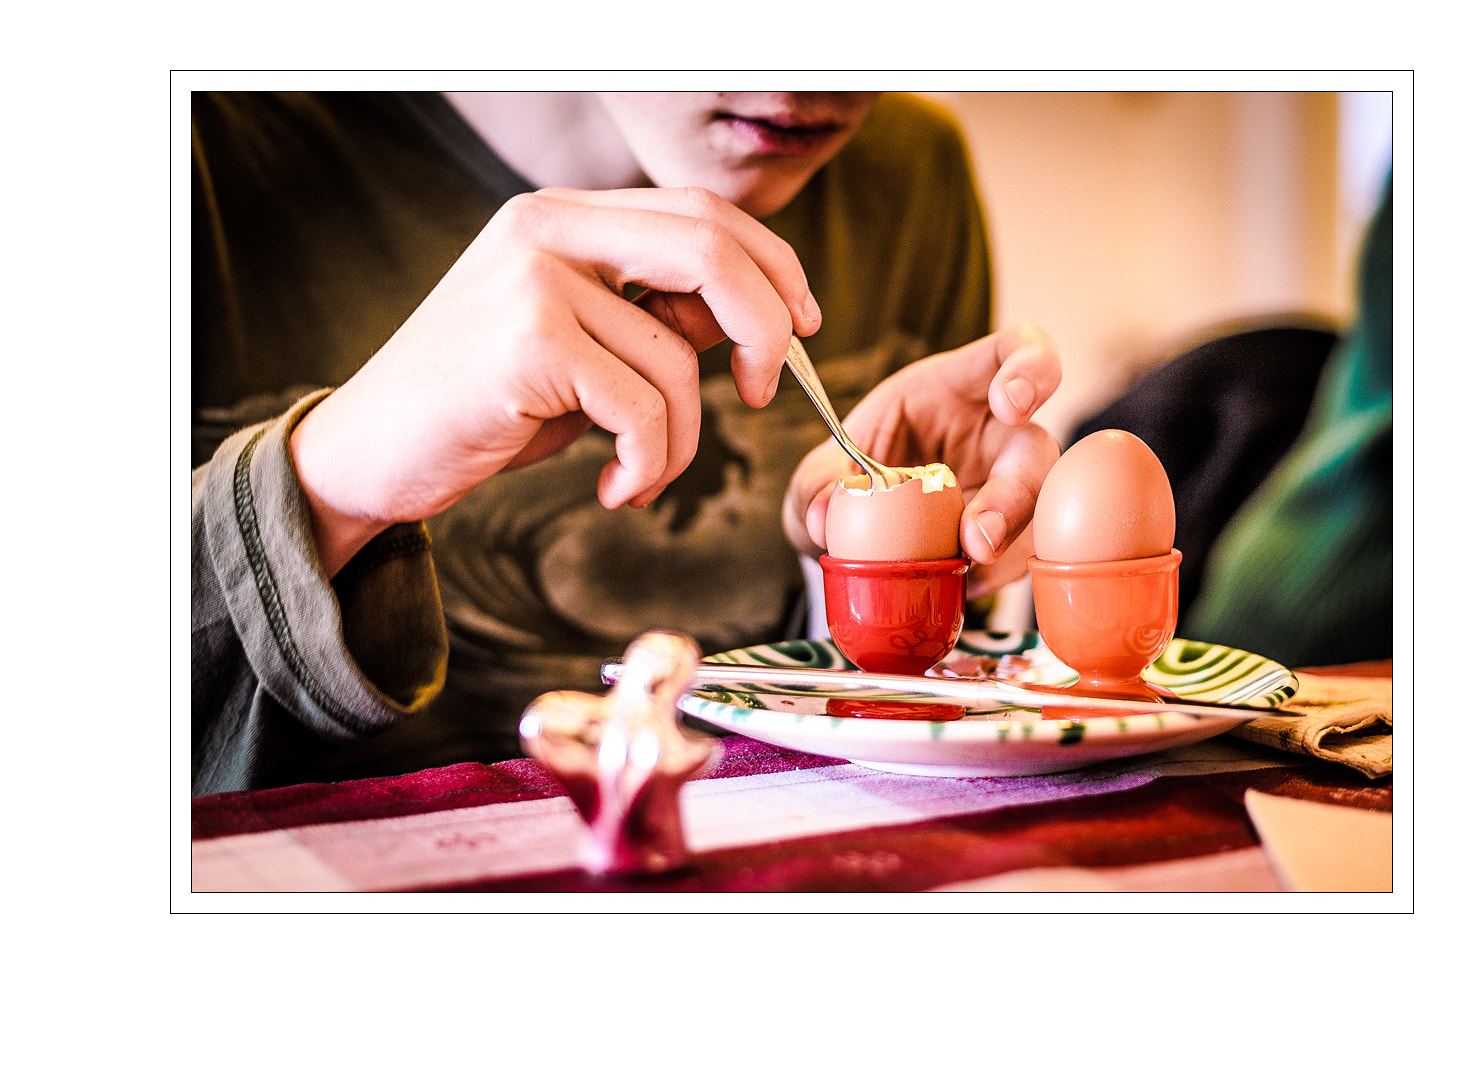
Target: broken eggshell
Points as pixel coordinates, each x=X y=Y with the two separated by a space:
x=915 y=520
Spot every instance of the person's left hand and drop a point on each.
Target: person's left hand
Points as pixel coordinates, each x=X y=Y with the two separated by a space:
x=969 y=408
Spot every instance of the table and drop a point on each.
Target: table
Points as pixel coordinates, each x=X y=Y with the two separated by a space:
x=767 y=819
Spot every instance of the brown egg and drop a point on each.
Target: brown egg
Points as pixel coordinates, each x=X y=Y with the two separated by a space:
x=1106 y=499
x=915 y=520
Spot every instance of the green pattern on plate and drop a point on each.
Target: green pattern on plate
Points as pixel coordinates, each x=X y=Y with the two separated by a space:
x=997 y=644
x=990 y=740
x=1190 y=669
x=816 y=654
x=1199 y=671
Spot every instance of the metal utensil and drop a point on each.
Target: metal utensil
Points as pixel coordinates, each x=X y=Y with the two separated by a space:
x=800 y=365
x=973 y=692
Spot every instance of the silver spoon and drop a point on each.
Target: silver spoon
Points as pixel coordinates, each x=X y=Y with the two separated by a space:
x=799 y=363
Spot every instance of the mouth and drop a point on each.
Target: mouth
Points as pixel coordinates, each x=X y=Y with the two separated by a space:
x=781 y=134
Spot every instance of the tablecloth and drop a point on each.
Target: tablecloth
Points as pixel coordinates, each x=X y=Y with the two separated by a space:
x=767 y=819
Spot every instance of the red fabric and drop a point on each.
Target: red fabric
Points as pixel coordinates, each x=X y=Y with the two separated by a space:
x=434 y=789
x=1169 y=818
x=240 y=812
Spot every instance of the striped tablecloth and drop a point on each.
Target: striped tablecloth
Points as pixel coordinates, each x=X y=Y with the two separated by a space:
x=771 y=820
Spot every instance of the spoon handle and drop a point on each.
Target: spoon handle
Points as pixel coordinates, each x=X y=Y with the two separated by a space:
x=799 y=364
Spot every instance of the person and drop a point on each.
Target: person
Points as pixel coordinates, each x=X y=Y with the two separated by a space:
x=1303 y=571
x=534 y=342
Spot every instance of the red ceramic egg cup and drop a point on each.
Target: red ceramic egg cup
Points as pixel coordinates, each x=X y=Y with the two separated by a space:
x=894 y=617
x=1108 y=620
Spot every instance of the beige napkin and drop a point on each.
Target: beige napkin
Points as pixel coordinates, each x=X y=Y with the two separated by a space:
x=1345 y=719
x=1317 y=847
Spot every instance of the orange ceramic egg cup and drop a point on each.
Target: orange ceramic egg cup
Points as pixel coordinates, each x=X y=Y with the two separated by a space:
x=1108 y=620
x=894 y=617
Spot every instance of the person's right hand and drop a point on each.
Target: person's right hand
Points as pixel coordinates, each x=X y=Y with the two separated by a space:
x=527 y=341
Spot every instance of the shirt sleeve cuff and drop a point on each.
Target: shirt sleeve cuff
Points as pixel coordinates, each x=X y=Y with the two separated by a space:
x=351 y=657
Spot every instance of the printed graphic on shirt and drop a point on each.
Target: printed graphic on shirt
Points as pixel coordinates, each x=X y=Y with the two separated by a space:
x=709 y=558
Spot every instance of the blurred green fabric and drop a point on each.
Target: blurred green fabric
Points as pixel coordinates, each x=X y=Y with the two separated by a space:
x=1303 y=572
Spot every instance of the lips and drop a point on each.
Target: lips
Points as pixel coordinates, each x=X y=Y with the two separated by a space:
x=781 y=134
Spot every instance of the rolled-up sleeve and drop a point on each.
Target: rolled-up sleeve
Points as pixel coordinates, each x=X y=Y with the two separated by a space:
x=285 y=663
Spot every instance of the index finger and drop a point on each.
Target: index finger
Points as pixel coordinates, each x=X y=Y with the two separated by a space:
x=717 y=272
x=1028 y=370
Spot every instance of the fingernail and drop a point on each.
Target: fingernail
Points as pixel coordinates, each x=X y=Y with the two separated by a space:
x=993 y=527
x=811 y=308
x=1021 y=392
x=773 y=387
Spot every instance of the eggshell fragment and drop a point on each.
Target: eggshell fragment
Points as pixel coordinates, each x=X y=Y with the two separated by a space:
x=915 y=520
x=1106 y=499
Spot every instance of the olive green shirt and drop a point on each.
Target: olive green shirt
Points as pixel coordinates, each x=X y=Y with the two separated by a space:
x=320 y=222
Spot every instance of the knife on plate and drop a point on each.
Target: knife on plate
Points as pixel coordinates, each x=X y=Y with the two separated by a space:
x=972 y=692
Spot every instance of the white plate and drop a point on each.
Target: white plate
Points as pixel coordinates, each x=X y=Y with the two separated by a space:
x=1005 y=742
